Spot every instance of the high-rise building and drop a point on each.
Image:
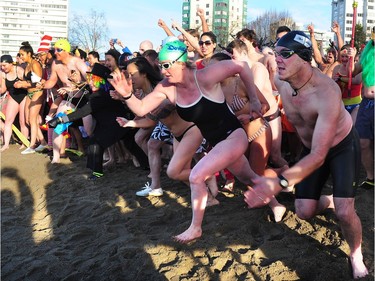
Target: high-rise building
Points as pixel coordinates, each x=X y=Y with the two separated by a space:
x=342 y=12
x=224 y=17
x=29 y=20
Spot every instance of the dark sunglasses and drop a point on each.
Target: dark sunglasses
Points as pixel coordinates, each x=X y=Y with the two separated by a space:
x=168 y=65
x=285 y=54
x=207 y=43
x=58 y=50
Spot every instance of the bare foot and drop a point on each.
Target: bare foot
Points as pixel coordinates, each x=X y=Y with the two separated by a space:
x=212 y=186
x=136 y=162
x=109 y=164
x=211 y=201
x=121 y=160
x=189 y=235
x=54 y=161
x=22 y=147
x=278 y=212
x=5 y=147
x=359 y=268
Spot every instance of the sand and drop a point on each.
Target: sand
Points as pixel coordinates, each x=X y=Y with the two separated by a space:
x=57 y=225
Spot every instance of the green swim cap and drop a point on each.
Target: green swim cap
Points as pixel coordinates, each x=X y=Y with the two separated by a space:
x=63 y=44
x=175 y=50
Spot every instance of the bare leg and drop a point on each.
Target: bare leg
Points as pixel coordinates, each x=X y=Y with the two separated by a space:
x=10 y=114
x=213 y=191
x=112 y=157
x=228 y=152
x=57 y=144
x=352 y=231
x=367 y=153
x=275 y=155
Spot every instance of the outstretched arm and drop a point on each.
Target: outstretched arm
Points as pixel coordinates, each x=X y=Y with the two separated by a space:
x=162 y=24
x=200 y=13
x=316 y=52
x=124 y=87
x=192 y=40
x=336 y=29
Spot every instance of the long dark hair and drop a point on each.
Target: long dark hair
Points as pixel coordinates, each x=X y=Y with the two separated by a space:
x=144 y=67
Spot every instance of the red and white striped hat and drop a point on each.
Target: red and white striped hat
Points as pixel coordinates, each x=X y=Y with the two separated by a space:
x=45 y=44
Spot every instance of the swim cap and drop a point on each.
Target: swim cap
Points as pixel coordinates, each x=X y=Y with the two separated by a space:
x=298 y=42
x=169 y=39
x=175 y=50
x=63 y=44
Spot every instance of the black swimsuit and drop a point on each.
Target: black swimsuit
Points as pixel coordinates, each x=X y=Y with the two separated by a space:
x=18 y=94
x=215 y=120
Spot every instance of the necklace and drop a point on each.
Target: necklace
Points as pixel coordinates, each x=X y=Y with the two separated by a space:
x=296 y=90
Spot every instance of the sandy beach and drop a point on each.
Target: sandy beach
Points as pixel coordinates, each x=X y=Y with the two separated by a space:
x=57 y=225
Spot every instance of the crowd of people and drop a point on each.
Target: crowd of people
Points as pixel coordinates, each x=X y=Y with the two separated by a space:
x=280 y=120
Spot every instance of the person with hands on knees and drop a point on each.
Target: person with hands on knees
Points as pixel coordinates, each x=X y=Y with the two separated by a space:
x=312 y=102
x=199 y=99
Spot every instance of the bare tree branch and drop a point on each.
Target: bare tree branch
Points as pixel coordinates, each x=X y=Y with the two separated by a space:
x=89 y=32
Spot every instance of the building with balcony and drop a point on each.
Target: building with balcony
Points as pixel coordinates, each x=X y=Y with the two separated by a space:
x=224 y=17
x=29 y=20
x=342 y=12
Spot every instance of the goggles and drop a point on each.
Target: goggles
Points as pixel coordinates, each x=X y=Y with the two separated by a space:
x=285 y=54
x=168 y=65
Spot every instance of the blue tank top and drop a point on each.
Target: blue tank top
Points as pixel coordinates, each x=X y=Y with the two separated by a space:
x=215 y=120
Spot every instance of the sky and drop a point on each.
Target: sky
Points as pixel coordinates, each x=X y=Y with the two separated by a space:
x=133 y=21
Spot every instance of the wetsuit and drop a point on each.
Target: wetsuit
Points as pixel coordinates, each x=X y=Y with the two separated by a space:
x=215 y=120
x=18 y=94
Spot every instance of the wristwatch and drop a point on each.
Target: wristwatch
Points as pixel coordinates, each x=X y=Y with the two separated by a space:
x=283 y=182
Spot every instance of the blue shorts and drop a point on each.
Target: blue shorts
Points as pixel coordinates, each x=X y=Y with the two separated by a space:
x=351 y=107
x=365 y=119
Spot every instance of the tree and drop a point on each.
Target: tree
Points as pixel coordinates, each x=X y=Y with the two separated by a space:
x=88 y=32
x=359 y=36
x=265 y=26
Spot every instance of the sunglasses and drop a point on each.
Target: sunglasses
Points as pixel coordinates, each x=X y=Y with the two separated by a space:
x=285 y=54
x=207 y=43
x=168 y=65
x=58 y=50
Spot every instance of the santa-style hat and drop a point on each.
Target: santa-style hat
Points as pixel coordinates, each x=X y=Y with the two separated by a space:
x=45 y=44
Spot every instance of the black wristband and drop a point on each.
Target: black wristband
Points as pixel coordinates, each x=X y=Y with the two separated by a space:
x=283 y=182
x=128 y=97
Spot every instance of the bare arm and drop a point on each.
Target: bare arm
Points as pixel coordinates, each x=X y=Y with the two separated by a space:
x=200 y=13
x=162 y=24
x=3 y=88
x=336 y=29
x=136 y=123
x=51 y=82
x=217 y=72
x=317 y=55
x=192 y=40
x=140 y=107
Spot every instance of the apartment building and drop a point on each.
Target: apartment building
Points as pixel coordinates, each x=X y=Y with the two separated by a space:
x=342 y=12
x=224 y=17
x=29 y=20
